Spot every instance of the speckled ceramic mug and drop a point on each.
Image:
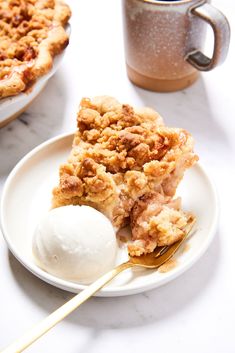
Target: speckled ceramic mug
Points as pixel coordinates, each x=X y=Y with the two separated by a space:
x=164 y=41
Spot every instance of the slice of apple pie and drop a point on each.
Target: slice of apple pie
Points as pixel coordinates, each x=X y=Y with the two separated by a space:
x=127 y=164
x=32 y=33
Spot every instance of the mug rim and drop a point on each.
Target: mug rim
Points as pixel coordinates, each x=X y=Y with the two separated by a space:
x=165 y=3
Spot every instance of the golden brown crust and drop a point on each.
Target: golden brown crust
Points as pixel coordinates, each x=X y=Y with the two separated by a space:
x=32 y=32
x=123 y=160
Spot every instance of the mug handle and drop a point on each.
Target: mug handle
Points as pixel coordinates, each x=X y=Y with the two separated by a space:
x=221 y=29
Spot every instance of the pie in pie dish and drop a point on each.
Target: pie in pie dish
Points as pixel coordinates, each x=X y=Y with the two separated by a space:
x=32 y=32
x=127 y=164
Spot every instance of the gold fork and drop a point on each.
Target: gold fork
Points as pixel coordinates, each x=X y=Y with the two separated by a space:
x=153 y=260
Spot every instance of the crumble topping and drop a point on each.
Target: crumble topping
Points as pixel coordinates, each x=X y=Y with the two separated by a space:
x=127 y=164
x=32 y=33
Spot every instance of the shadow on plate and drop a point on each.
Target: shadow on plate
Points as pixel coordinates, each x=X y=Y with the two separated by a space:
x=129 y=311
x=35 y=125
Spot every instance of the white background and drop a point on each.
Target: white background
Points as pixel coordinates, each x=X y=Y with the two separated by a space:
x=194 y=313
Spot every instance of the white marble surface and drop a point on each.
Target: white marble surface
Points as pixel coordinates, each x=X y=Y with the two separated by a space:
x=194 y=313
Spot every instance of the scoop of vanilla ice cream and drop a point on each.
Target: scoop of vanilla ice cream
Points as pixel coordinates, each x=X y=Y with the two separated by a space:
x=76 y=243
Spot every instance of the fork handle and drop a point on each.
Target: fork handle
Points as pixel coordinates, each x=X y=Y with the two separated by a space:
x=58 y=315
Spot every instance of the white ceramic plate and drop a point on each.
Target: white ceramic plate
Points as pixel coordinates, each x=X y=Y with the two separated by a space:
x=12 y=107
x=27 y=195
